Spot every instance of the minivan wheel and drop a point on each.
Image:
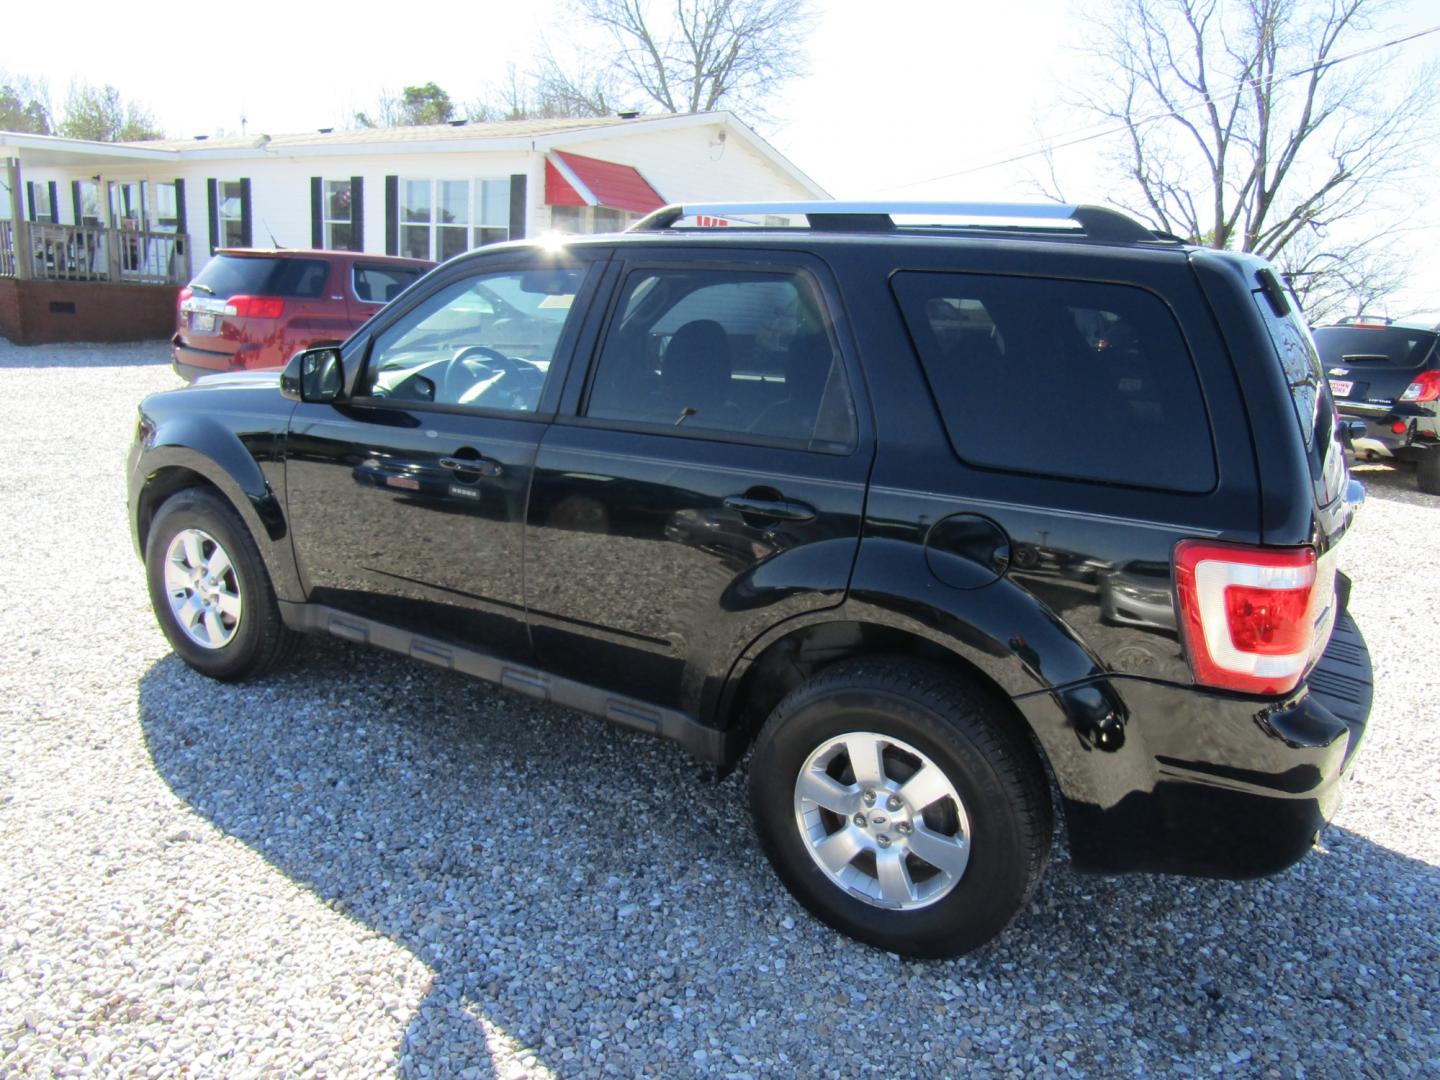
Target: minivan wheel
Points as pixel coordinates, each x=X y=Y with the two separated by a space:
x=208 y=586
x=1427 y=471
x=899 y=806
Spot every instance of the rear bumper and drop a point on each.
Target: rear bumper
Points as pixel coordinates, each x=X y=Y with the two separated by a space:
x=1218 y=785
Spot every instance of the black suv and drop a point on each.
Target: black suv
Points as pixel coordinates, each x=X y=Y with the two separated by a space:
x=951 y=526
x=1385 y=373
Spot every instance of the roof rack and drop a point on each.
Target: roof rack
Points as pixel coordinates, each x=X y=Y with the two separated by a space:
x=1093 y=222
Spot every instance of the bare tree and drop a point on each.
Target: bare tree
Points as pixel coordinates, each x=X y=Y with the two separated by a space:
x=1255 y=124
x=692 y=56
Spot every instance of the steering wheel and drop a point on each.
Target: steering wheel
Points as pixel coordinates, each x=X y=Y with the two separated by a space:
x=492 y=360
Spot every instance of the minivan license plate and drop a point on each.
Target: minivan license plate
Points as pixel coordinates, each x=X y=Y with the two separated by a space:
x=204 y=322
x=1341 y=387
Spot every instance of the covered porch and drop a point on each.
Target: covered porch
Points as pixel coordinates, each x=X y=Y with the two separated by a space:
x=111 y=273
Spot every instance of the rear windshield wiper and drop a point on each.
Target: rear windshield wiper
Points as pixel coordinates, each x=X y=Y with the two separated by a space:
x=199 y=285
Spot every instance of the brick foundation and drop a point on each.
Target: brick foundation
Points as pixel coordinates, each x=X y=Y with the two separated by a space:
x=41 y=312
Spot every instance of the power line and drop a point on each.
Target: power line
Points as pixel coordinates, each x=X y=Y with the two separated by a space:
x=1043 y=148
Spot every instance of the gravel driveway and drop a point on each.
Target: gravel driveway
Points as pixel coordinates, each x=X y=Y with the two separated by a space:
x=362 y=866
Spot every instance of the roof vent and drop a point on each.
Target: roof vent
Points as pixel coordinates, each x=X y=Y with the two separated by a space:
x=325 y=131
x=628 y=115
x=458 y=123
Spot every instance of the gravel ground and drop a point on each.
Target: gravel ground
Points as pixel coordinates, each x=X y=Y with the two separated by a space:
x=363 y=866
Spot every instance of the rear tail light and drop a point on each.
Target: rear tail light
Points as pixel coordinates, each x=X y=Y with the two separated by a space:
x=255 y=307
x=1426 y=387
x=184 y=295
x=1249 y=614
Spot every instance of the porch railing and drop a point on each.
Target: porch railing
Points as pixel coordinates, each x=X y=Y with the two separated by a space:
x=45 y=252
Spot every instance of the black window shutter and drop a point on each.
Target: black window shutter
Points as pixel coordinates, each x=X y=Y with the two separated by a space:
x=246 y=238
x=317 y=212
x=54 y=203
x=75 y=200
x=392 y=215
x=517 y=206
x=180 y=223
x=212 y=189
x=30 y=197
x=357 y=213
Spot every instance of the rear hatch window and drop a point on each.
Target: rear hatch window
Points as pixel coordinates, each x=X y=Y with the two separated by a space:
x=225 y=276
x=1372 y=363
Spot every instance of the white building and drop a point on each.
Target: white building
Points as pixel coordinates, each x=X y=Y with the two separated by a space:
x=151 y=213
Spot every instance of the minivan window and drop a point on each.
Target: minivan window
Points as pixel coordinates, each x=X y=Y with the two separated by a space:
x=232 y=275
x=1084 y=380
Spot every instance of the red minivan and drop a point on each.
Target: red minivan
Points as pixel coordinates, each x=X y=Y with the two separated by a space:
x=255 y=309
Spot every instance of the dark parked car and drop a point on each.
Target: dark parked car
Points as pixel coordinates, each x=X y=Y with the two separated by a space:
x=1385 y=373
x=250 y=309
x=951 y=527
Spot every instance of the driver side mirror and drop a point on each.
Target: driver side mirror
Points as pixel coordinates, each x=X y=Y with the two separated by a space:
x=315 y=375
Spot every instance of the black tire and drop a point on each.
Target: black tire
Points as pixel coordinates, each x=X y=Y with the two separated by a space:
x=1427 y=471
x=259 y=638
x=988 y=763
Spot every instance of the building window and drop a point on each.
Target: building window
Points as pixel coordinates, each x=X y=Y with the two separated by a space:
x=585 y=220
x=40 y=201
x=231 y=212
x=492 y=211
x=439 y=219
x=167 y=207
x=339 y=216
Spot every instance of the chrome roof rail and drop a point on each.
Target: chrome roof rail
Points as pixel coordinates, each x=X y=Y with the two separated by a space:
x=1092 y=222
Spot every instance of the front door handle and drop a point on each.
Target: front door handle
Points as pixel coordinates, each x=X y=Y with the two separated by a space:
x=781 y=509
x=481 y=466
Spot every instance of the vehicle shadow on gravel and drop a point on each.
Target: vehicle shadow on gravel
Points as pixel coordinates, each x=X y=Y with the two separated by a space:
x=587 y=893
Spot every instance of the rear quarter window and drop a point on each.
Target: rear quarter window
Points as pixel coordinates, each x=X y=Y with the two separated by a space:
x=1075 y=379
x=380 y=284
x=225 y=276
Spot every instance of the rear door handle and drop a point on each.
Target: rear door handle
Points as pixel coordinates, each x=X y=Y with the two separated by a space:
x=782 y=509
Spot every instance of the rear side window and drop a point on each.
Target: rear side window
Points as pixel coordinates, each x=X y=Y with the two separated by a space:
x=233 y=275
x=746 y=354
x=1062 y=378
x=381 y=284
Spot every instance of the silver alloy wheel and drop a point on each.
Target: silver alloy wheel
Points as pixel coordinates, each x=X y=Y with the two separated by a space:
x=895 y=835
x=203 y=588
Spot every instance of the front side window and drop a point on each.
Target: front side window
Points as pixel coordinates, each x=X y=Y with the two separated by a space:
x=485 y=342
x=339 y=216
x=1074 y=379
x=749 y=355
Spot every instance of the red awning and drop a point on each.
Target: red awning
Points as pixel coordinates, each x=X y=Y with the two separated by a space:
x=573 y=180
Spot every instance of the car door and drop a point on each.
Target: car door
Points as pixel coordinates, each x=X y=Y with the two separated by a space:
x=704 y=483
x=406 y=498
